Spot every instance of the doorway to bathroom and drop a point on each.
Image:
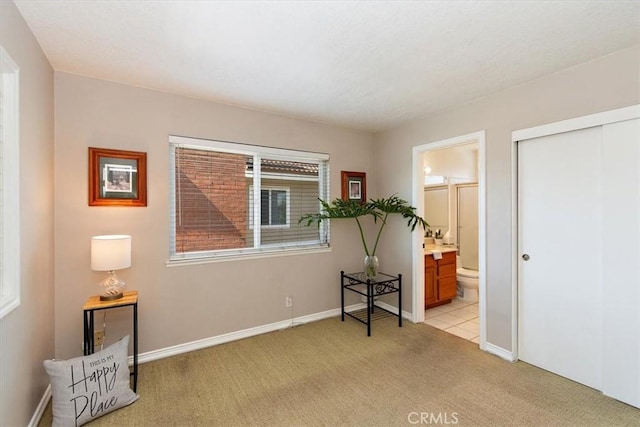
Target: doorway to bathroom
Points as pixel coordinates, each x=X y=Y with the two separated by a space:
x=449 y=188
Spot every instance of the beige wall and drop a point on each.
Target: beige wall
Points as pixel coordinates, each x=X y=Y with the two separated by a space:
x=182 y=304
x=27 y=333
x=599 y=85
x=454 y=163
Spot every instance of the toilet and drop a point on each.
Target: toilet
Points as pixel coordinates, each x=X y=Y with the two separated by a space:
x=467 y=282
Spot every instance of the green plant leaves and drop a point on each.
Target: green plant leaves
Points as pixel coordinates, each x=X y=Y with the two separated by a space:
x=337 y=209
x=379 y=209
x=396 y=205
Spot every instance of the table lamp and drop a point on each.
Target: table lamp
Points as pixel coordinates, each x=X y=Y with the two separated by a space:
x=111 y=253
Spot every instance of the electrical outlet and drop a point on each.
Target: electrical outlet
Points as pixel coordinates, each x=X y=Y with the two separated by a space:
x=288 y=301
x=98 y=338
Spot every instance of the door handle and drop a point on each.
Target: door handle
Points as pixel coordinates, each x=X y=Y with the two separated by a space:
x=525 y=257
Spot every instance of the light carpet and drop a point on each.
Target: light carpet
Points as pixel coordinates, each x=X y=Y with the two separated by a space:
x=329 y=373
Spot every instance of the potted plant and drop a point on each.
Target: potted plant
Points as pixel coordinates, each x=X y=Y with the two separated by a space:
x=379 y=209
x=438 y=238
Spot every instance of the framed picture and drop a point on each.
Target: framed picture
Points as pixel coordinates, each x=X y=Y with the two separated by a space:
x=117 y=177
x=354 y=186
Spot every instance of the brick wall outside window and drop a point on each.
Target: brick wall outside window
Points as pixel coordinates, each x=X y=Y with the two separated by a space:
x=212 y=189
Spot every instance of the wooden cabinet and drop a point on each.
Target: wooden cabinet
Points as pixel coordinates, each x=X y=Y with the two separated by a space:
x=430 y=290
x=439 y=279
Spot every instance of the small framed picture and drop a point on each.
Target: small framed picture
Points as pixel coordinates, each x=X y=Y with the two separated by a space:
x=354 y=186
x=355 y=189
x=117 y=177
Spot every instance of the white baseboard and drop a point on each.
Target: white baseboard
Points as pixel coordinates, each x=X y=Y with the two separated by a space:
x=238 y=335
x=394 y=310
x=37 y=416
x=499 y=351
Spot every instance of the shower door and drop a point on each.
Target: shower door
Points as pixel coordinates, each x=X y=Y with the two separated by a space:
x=468 y=225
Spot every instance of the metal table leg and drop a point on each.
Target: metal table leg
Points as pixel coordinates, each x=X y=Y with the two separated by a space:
x=369 y=307
x=342 y=293
x=135 y=346
x=400 y=300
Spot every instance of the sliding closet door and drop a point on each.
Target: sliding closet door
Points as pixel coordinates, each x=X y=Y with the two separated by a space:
x=579 y=230
x=621 y=261
x=560 y=249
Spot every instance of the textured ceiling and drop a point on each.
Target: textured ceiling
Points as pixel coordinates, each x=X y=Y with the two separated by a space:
x=367 y=65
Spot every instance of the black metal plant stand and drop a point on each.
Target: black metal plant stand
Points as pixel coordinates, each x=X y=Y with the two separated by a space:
x=371 y=288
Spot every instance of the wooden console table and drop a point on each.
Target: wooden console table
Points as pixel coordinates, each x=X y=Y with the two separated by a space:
x=93 y=304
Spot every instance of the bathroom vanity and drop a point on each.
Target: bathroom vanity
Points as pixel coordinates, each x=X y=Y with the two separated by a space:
x=439 y=276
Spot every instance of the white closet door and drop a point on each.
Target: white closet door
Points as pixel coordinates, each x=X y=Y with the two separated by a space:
x=621 y=261
x=560 y=230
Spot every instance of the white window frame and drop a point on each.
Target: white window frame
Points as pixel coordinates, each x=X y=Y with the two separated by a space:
x=270 y=226
x=10 y=184
x=284 y=248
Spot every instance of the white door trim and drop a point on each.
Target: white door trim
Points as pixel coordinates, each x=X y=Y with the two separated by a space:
x=597 y=119
x=418 y=238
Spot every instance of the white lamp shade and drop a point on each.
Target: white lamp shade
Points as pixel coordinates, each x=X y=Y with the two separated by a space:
x=110 y=252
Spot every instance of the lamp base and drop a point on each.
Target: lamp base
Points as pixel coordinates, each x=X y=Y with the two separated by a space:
x=111 y=288
x=111 y=297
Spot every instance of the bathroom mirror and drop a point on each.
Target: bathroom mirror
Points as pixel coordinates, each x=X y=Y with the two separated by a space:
x=436 y=207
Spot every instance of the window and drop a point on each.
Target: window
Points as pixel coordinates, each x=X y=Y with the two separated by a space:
x=274 y=207
x=218 y=189
x=434 y=180
x=9 y=186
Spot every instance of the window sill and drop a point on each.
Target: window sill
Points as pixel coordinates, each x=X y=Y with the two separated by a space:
x=245 y=256
x=9 y=305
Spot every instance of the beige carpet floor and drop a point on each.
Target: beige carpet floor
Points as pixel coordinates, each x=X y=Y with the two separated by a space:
x=329 y=373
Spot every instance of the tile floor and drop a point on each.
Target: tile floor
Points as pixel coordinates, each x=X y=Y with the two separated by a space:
x=458 y=318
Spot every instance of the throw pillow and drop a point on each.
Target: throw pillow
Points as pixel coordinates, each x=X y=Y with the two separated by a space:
x=85 y=388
